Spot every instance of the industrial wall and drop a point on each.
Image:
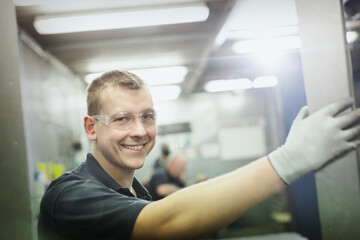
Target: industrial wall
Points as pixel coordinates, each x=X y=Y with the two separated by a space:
x=54 y=103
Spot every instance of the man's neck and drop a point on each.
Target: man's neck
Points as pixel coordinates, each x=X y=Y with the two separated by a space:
x=123 y=177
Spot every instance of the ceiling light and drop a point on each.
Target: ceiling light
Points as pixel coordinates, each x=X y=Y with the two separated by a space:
x=116 y=20
x=228 y=85
x=153 y=76
x=162 y=76
x=22 y=3
x=165 y=93
x=278 y=31
x=351 y=36
x=261 y=45
x=134 y=62
x=265 y=81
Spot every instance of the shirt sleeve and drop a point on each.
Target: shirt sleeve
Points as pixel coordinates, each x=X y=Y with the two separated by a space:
x=85 y=209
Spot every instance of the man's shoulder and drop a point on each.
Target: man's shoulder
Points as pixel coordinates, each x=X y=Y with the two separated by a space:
x=74 y=202
x=70 y=181
x=68 y=178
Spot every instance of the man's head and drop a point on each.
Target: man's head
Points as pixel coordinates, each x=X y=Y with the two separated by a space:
x=176 y=165
x=113 y=78
x=122 y=135
x=165 y=150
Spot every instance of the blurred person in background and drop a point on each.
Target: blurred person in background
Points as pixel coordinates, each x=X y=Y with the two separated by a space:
x=161 y=161
x=169 y=179
x=101 y=199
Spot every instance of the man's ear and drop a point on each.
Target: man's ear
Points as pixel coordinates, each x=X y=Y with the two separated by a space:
x=89 y=126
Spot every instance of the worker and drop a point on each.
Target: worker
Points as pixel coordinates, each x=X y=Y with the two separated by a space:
x=169 y=179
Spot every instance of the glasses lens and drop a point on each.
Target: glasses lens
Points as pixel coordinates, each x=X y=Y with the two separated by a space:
x=122 y=120
x=148 y=118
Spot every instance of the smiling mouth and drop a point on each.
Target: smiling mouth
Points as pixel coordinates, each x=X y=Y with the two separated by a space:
x=134 y=148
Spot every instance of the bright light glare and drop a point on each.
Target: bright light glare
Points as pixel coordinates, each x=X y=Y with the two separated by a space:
x=261 y=45
x=351 y=36
x=268 y=59
x=117 y=20
x=162 y=76
x=165 y=93
x=265 y=81
x=153 y=76
x=228 y=85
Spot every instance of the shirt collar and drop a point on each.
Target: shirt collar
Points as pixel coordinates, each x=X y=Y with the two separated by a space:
x=94 y=168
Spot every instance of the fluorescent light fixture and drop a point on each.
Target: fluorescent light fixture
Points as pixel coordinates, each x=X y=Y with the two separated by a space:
x=265 y=81
x=162 y=76
x=262 y=45
x=351 y=36
x=239 y=84
x=165 y=93
x=153 y=76
x=21 y=3
x=116 y=20
x=228 y=85
x=134 y=62
x=271 y=32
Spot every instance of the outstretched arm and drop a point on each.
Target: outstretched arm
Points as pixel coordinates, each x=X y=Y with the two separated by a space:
x=166 y=189
x=208 y=206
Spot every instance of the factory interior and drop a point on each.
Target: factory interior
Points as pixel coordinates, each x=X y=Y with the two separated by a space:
x=227 y=78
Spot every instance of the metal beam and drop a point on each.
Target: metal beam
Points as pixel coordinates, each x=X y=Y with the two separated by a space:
x=328 y=77
x=210 y=46
x=15 y=202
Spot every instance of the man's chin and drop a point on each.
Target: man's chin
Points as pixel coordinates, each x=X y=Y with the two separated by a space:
x=138 y=163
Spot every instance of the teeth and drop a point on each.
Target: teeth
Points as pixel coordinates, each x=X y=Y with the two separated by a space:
x=134 y=147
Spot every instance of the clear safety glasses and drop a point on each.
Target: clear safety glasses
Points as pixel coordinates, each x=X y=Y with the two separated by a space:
x=126 y=120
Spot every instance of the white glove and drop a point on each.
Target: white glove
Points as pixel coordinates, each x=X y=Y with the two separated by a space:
x=316 y=139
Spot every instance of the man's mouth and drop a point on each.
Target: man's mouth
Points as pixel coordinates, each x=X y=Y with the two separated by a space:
x=134 y=147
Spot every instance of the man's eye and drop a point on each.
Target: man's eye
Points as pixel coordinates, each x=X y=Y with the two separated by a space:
x=149 y=116
x=121 y=119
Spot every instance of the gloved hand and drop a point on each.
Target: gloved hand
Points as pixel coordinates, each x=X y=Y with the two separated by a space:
x=316 y=139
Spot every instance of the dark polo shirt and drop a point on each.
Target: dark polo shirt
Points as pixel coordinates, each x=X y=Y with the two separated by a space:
x=162 y=176
x=86 y=203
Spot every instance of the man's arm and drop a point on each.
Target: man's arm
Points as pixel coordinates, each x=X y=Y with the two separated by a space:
x=166 y=189
x=202 y=208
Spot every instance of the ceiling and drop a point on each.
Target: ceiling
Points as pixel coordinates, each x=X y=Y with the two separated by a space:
x=203 y=47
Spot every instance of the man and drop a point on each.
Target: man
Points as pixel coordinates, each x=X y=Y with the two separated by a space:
x=101 y=199
x=169 y=179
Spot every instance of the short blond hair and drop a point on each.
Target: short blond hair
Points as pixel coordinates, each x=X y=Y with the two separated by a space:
x=112 y=78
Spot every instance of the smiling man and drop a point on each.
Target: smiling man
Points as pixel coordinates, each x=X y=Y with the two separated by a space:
x=101 y=199
x=121 y=142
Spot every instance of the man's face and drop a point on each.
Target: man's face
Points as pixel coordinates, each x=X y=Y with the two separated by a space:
x=124 y=149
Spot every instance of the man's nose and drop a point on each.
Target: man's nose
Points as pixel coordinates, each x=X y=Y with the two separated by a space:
x=137 y=128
